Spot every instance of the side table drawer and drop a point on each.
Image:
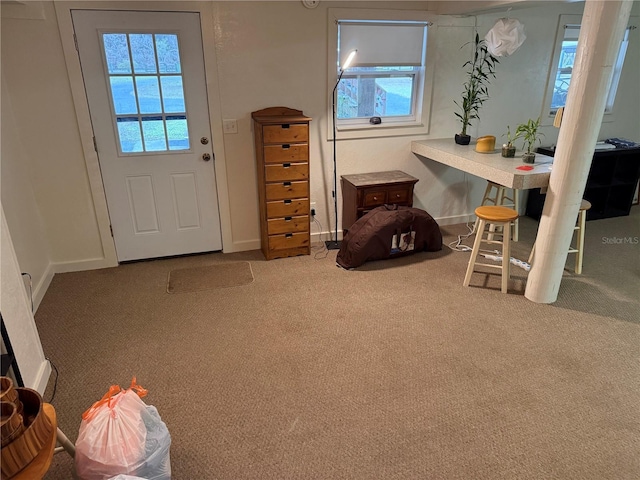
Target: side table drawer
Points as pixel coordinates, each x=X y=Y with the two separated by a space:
x=374 y=198
x=286 y=171
x=399 y=196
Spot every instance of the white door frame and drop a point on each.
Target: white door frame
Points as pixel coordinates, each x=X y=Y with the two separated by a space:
x=65 y=25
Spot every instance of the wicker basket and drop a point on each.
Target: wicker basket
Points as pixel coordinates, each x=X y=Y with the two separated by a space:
x=7 y=392
x=38 y=430
x=11 y=426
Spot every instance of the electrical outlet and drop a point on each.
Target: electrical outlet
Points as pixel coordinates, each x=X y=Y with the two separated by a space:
x=312 y=208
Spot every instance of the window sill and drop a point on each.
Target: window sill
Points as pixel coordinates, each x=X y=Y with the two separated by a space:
x=379 y=131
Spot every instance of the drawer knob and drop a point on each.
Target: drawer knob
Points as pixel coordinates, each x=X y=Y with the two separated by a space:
x=288 y=235
x=287 y=202
x=285 y=125
x=286 y=184
x=397 y=195
x=286 y=165
x=375 y=198
x=286 y=146
x=287 y=219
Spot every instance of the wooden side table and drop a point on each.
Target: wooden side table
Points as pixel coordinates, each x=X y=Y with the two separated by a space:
x=363 y=192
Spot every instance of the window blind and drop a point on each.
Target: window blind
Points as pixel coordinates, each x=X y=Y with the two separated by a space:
x=382 y=44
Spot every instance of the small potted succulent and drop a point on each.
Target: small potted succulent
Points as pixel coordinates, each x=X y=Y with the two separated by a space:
x=529 y=132
x=509 y=149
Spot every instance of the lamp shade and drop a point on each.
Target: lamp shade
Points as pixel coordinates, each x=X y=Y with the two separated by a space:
x=505 y=37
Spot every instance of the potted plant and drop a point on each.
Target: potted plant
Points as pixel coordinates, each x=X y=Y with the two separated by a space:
x=479 y=71
x=509 y=149
x=529 y=132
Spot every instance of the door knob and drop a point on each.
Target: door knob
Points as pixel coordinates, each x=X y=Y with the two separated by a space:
x=206 y=157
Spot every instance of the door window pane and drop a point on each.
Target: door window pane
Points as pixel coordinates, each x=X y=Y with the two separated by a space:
x=117 y=53
x=153 y=132
x=148 y=94
x=129 y=134
x=178 y=133
x=168 y=53
x=172 y=94
x=144 y=55
x=145 y=103
x=124 y=97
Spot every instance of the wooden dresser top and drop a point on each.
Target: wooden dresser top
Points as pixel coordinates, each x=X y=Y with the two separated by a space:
x=379 y=178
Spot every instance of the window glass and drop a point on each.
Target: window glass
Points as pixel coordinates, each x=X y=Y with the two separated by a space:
x=147 y=91
x=148 y=94
x=124 y=97
x=129 y=134
x=566 y=48
x=177 y=132
x=172 y=94
x=376 y=91
x=117 y=53
x=153 y=133
x=144 y=55
x=168 y=53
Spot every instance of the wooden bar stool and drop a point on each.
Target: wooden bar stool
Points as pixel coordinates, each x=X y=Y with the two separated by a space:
x=501 y=198
x=580 y=228
x=500 y=217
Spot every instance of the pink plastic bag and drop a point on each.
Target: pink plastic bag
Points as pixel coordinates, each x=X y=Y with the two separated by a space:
x=115 y=436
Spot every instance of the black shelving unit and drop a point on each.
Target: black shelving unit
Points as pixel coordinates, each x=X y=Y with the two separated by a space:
x=8 y=359
x=610 y=187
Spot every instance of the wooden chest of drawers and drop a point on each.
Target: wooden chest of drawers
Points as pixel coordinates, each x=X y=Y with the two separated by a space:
x=282 y=156
x=364 y=192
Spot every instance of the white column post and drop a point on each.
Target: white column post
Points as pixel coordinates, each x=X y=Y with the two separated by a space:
x=601 y=32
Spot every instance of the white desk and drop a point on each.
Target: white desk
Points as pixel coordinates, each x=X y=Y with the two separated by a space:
x=491 y=166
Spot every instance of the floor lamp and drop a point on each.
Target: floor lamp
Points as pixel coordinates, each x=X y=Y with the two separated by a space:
x=334 y=244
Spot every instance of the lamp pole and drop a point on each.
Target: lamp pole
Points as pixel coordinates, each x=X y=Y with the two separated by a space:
x=334 y=244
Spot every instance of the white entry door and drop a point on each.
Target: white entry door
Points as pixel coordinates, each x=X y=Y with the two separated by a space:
x=145 y=82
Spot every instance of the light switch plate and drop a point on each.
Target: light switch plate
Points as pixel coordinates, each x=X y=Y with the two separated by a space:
x=230 y=125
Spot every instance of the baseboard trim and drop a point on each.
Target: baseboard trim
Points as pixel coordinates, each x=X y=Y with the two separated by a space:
x=243 y=246
x=41 y=288
x=90 y=264
x=455 y=219
x=42 y=378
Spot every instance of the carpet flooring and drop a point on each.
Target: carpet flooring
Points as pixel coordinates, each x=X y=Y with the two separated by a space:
x=390 y=371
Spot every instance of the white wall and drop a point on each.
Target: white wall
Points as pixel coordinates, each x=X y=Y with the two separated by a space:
x=268 y=54
x=23 y=215
x=17 y=316
x=38 y=86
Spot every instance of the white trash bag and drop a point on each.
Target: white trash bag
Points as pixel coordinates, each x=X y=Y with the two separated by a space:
x=119 y=435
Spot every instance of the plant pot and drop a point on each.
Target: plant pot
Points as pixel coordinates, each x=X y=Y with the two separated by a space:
x=529 y=157
x=508 y=152
x=462 y=139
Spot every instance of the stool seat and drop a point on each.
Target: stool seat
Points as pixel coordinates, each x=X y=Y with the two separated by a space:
x=585 y=204
x=496 y=214
x=501 y=197
x=492 y=216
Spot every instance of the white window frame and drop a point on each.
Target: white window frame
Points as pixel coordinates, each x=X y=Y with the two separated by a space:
x=419 y=125
x=548 y=113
